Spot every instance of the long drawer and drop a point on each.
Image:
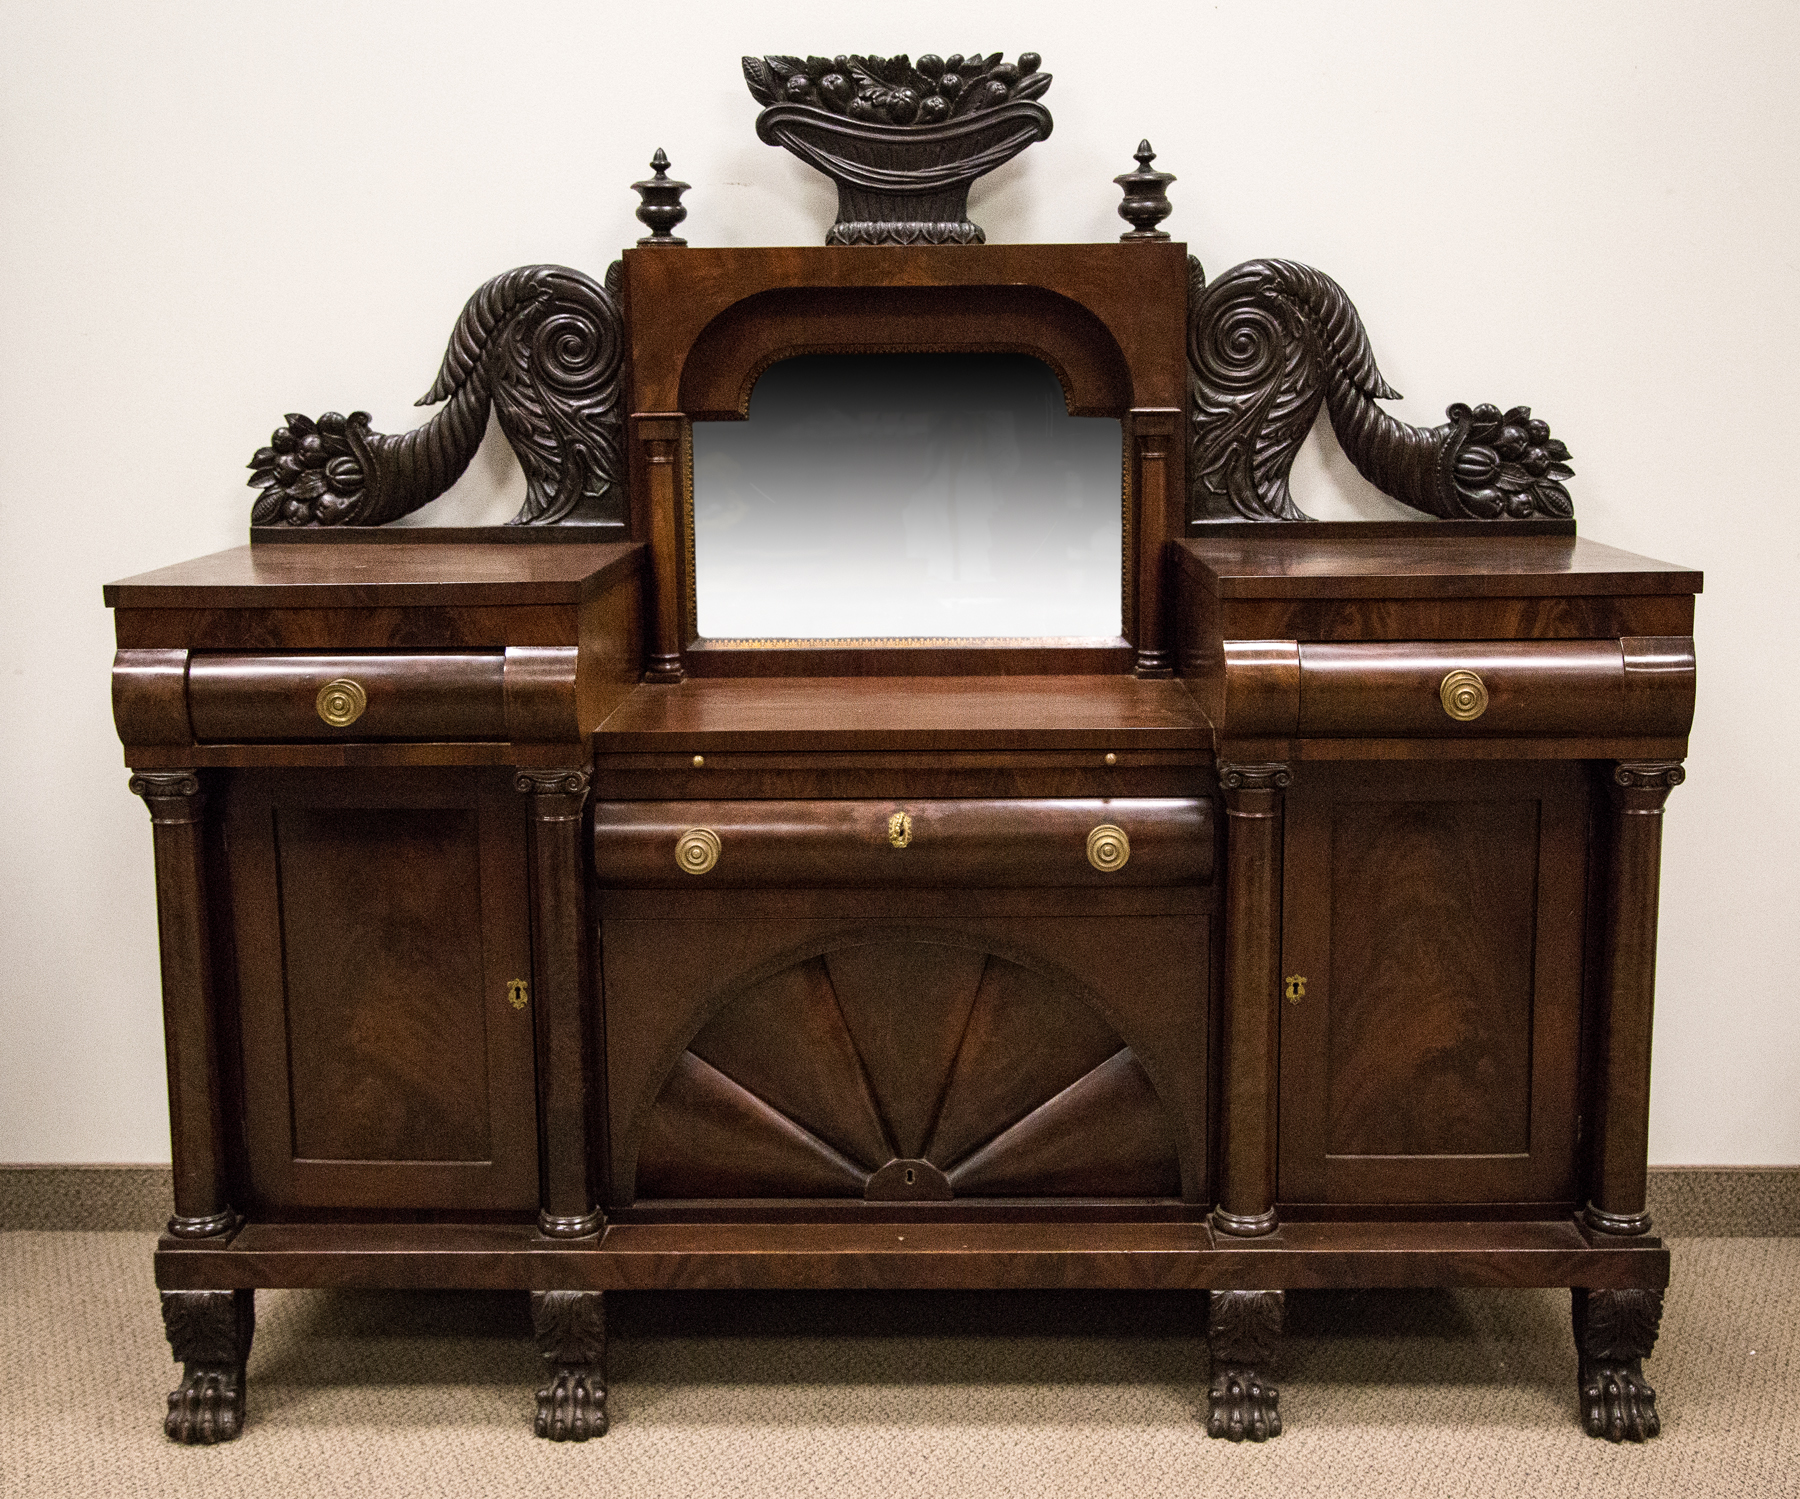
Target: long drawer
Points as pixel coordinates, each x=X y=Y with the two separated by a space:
x=965 y=843
x=174 y=697
x=1632 y=686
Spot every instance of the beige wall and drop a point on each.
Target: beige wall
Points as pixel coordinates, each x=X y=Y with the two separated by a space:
x=214 y=213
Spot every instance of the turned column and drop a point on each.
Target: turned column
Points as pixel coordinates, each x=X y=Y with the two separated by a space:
x=196 y=1122
x=661 y=439
x=558 y=926
x=1155 y=437
x=1636 y=791
x=1245 y=1194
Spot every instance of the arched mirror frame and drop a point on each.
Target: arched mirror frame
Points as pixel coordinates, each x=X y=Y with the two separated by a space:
x=1109 y=320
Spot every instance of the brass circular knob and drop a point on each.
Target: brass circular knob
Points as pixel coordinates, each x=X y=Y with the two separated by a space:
x=1464 y=695
x=697 y=850
x=1108 y=848
x=341 y=702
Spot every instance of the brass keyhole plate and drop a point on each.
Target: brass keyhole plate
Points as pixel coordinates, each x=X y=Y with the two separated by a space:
x=900 y=829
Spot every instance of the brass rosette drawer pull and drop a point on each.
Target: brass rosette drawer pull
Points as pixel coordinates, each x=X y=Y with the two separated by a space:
x=1464 y=695
x=1108 y=848
x=341 y=702
x=697 y=850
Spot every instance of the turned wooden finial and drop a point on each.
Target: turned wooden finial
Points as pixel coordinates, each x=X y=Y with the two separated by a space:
x=661 y=209
x=1146 y=197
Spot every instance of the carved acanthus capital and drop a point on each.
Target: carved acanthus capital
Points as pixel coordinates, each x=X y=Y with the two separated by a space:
x=1269 y=775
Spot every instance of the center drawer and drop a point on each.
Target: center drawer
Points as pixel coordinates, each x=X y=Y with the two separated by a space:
x=961 y=843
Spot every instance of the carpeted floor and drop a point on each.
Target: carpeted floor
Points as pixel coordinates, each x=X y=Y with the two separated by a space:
x=1462 y=1393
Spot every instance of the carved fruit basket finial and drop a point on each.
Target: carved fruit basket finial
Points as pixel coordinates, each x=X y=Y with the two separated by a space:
x=1146 y=196
x=661 y=209
x=903 y=141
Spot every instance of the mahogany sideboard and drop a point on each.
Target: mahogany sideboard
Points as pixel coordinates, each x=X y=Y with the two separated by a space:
x=514 y=935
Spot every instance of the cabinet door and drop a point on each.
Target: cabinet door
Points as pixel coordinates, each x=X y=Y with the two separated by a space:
x=956 y=1057
x=1434 y=916
x=380 y=921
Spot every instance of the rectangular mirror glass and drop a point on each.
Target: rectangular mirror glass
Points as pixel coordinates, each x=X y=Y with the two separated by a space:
x=912 y=496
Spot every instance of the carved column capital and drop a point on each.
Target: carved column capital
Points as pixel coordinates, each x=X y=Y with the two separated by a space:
x=1648 y=775
x=173 y=796
x=1268 y=775
x=557 y=795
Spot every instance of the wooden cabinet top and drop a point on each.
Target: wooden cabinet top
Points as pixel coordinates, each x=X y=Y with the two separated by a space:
x=1332 y=561
x=380 y=574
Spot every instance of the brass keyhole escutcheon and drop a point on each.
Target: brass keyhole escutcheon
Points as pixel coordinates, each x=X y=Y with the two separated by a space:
x=1464 y=695
x=1108 y=848
x=900 y=829
x=910 y=1174
x=697 y=850
x=1295 y=987
x=341 y=702
x=518 y=993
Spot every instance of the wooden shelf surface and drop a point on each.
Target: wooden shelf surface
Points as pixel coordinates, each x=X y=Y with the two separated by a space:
x=906 y=714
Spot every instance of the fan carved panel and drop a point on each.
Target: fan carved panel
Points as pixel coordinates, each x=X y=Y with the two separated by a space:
x=907 y=1070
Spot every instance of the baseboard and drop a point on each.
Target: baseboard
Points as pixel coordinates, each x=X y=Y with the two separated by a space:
x=1685 y=1201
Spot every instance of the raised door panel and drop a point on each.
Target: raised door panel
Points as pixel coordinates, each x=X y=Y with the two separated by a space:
x=922 y=1061
x=1433 y=918
x=381 y=926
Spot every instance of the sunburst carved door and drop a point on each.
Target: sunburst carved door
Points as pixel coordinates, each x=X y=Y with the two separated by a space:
x=1000 y=1059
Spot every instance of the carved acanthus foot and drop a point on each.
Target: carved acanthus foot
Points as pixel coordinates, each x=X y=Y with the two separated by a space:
x=1242 y=1332
x=571 y=1339
x=1614 y=1333
x=209 y=1333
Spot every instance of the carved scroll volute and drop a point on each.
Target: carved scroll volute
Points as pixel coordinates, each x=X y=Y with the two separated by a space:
x=1271 y=340
x=1157 y=465
x=661 y=440
x=543 y=346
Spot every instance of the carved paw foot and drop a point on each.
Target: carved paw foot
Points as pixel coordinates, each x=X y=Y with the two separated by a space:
x=209 y=1334
x=207 y=1407
x=571 y=1338
x=572 y=1407
x=1617 y=1402
x=1614 y=1333
x=1242 y=1404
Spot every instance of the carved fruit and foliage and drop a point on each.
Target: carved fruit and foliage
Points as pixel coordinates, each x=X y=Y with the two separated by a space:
x=907 y=1071
x=543 y=347
x=1271 y=340
x=902 y=140
x=896 y=90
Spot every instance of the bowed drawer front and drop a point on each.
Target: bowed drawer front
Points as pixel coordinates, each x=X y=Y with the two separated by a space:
x=1150 y=841
x=1636 y=686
